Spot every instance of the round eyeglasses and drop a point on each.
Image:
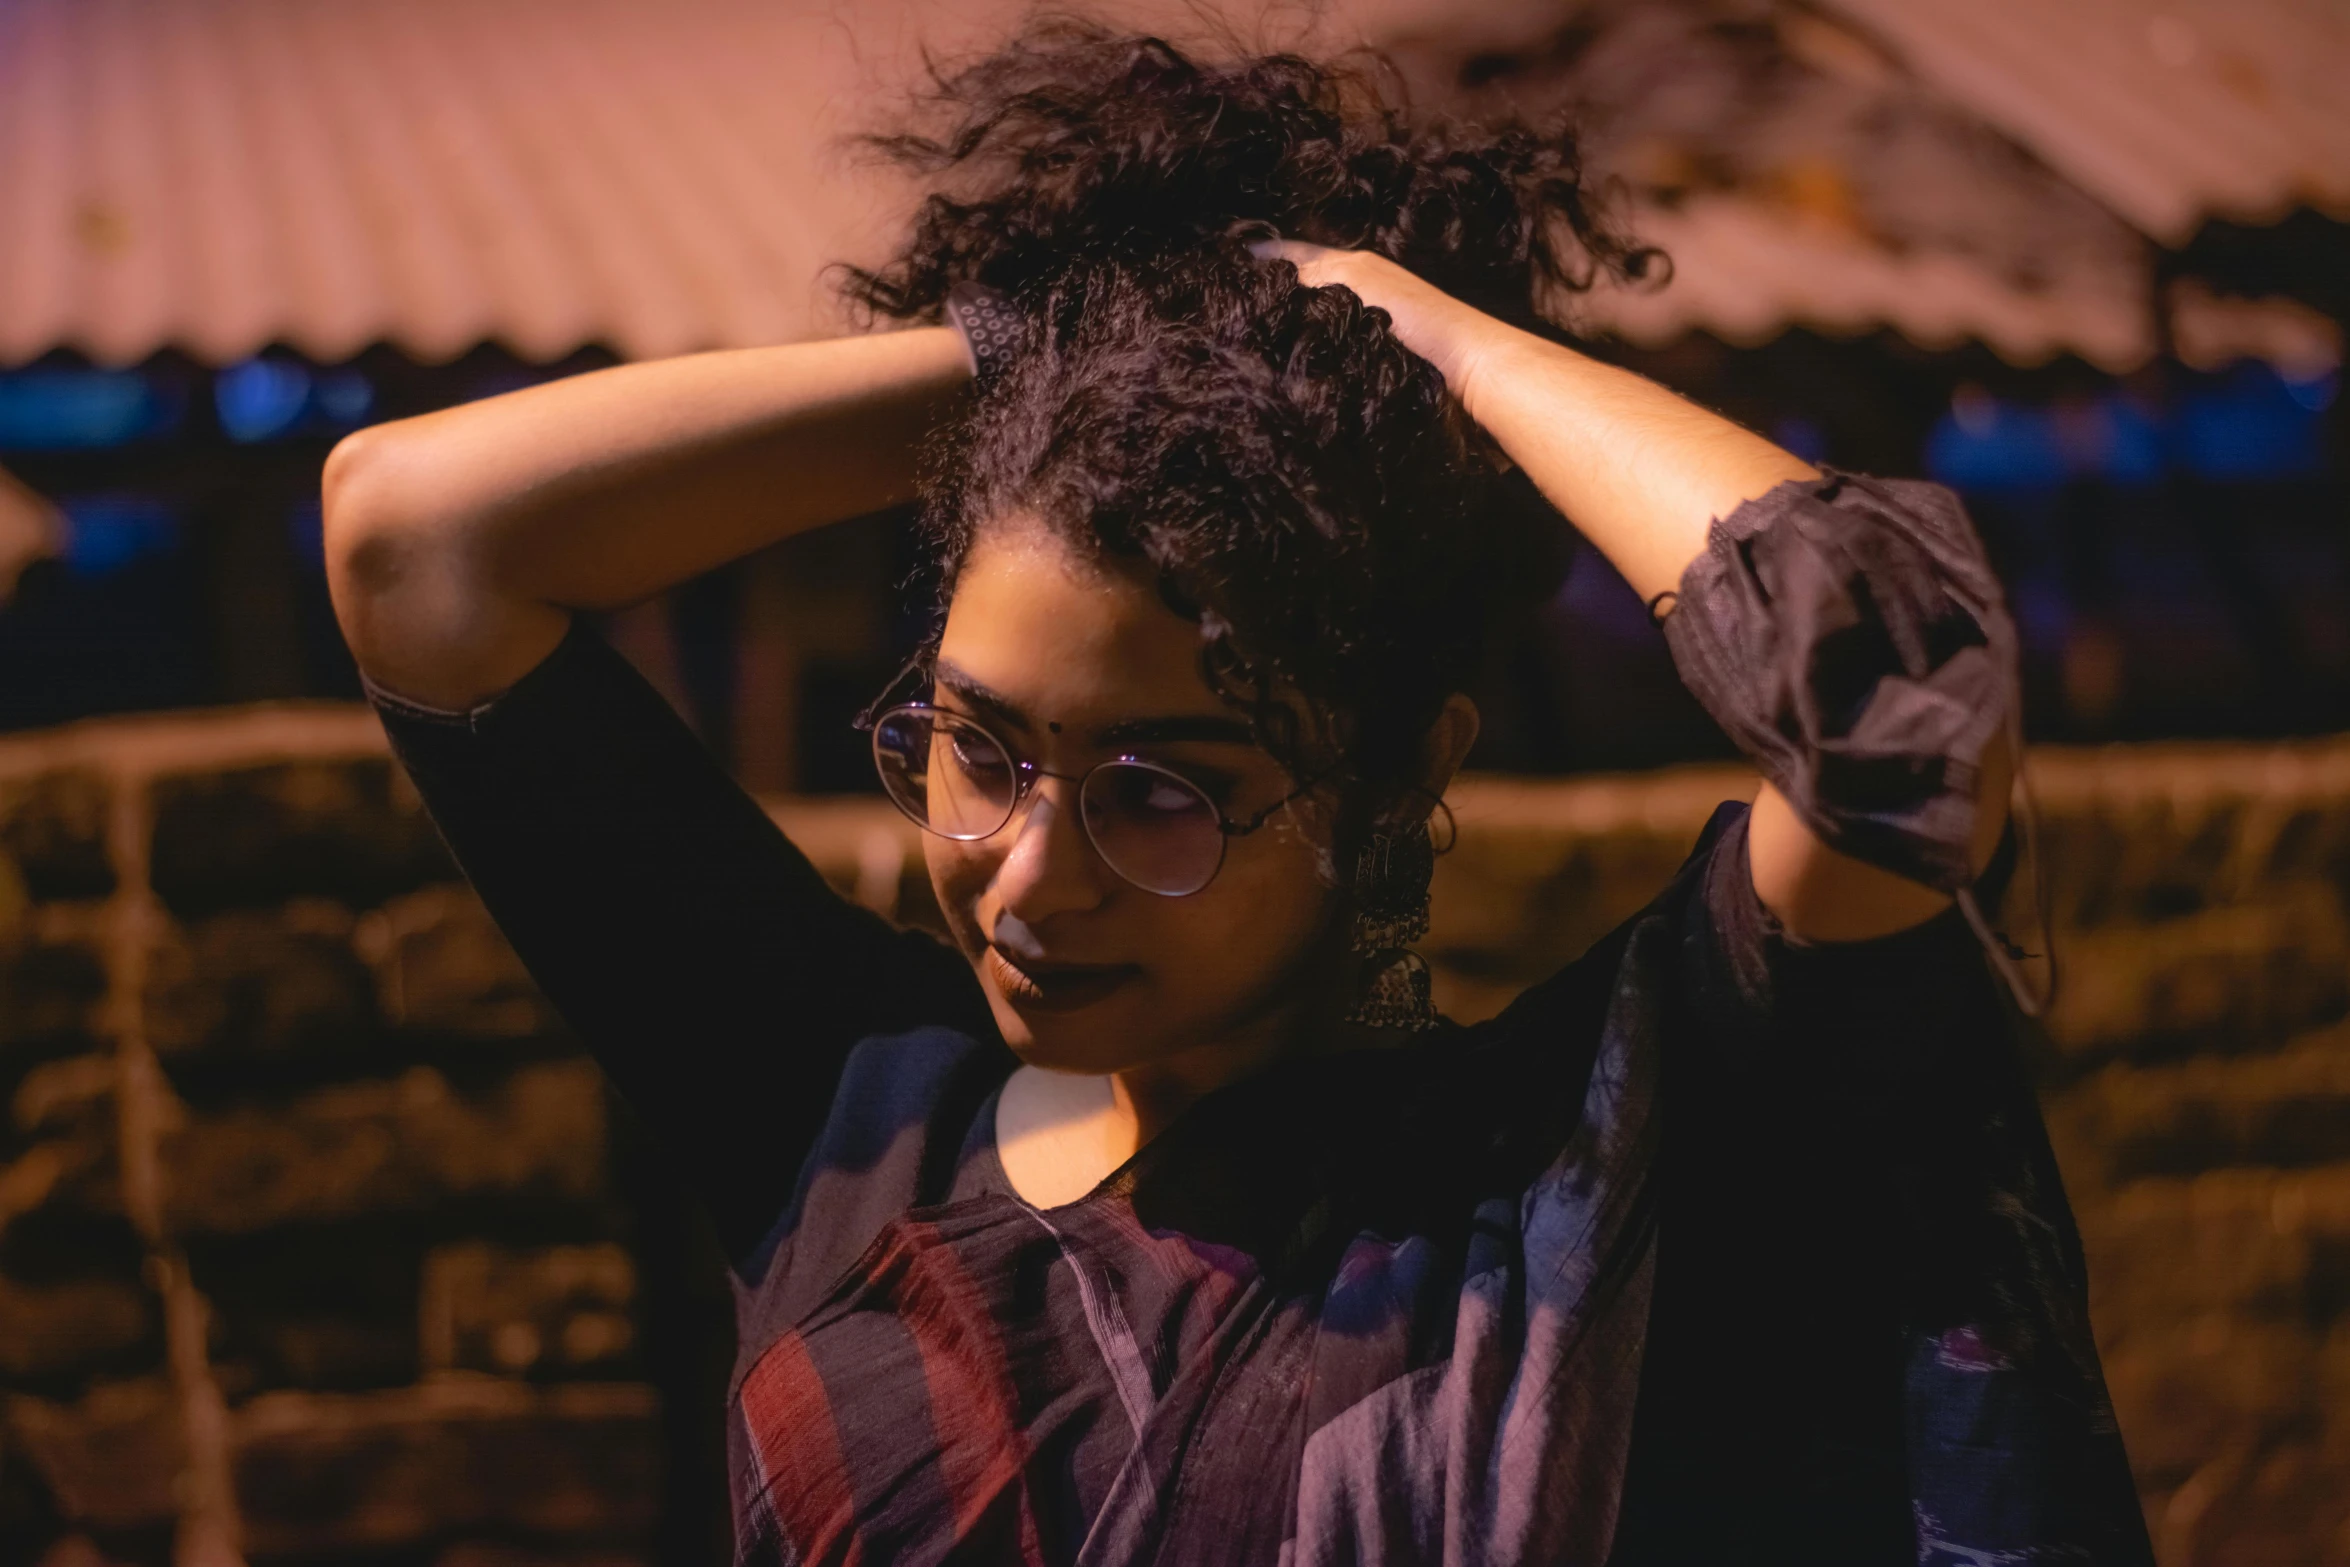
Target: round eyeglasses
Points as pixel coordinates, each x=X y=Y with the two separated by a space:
x=1150 y=824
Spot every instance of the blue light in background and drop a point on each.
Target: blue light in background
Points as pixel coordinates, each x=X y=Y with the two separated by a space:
x=1800 y=436
x=80 y=410
x=260 y=398
x=105 y=533
x=2041 y=612
x=2249 y=425
x=344 y=396
x=2129 y=441
x=1985 y=444
x=306 y=531
x=2317 y=392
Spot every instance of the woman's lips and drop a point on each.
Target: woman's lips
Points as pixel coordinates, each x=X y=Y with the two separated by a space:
x=1055 y=987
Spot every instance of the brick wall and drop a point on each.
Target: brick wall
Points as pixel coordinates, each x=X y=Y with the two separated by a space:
x=321 y=1242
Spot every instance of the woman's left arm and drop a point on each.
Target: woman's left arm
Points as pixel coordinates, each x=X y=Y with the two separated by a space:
x=1643 y=473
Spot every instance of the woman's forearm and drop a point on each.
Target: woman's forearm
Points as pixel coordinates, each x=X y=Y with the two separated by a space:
x=459 y=542
x=1641 y=471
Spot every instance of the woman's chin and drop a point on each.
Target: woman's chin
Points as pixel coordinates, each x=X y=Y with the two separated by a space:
x=1094 y=1039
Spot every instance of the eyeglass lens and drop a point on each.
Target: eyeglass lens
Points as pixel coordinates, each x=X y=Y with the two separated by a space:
x=949 y=776
x=1152 y=826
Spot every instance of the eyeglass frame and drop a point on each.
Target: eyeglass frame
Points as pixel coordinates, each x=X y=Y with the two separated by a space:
x=1026 y=773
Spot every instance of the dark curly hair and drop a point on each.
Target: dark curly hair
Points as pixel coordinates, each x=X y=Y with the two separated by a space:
x=1298 y=481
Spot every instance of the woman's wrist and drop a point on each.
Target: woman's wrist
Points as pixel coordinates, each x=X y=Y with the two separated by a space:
x=1468 y=347
x=1487 y=356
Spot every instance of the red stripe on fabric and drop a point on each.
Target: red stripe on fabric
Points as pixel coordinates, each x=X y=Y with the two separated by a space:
x=974 y=1406
x=797 y=1449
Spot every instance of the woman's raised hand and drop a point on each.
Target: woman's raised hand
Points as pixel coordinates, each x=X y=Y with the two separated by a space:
x=1448 y=334
x=1640 y=471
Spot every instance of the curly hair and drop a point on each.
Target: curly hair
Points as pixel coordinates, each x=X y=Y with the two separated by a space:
x=1299 y=482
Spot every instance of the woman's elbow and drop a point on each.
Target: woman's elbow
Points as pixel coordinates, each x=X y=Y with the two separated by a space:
x=390 y=571
x=418 y=612
x=359 y=521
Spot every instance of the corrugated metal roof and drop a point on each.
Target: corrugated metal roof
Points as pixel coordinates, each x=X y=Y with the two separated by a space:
x=2168 y=112
x=1744 y=271
x=223 y=174
x=1849 y=164
x=219 y=174
x=1797 y=173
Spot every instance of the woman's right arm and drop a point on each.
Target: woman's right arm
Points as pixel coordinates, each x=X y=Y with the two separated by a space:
x=715 y=974
x=458 y=543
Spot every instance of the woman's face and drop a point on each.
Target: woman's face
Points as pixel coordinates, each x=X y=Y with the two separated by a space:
x=1068 y=664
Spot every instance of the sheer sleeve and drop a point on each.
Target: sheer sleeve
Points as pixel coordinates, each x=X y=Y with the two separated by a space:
x=706 y=962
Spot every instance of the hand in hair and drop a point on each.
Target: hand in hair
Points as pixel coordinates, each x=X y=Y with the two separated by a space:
x=1425 y=319
x=1643 y=473
x=1640 y=470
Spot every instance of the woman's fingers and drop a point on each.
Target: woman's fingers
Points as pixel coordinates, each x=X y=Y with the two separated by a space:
x=1311 y=261
x=1428 y=321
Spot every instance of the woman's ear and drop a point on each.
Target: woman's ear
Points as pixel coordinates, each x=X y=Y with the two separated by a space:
x=1447 y=744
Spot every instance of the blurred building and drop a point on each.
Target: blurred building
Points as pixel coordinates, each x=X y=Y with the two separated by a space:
x=2082 y=260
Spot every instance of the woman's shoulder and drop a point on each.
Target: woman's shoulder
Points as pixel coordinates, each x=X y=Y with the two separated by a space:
x=903 y=1120
x=895 y=1081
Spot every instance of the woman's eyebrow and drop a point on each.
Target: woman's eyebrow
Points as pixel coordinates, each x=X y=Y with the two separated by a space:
x=1177 y=729
x=980 y=696
x=1170 y=729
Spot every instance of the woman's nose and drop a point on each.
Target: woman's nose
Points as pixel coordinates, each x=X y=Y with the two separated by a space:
x=1051 y=867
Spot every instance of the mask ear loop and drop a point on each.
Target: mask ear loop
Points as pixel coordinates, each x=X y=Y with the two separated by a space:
x=2004 y=954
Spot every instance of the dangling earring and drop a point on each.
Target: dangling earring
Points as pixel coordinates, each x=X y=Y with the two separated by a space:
x=1391 y=912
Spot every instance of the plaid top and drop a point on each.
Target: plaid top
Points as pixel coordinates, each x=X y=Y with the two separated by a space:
x=1714 y=1248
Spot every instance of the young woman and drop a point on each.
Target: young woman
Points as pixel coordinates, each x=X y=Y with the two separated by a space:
x=1158 y=1220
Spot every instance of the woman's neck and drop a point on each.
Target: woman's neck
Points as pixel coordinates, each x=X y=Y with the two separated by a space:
x=1060 y=1134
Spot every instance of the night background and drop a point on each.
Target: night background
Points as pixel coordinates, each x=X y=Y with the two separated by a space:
x=320 y=1242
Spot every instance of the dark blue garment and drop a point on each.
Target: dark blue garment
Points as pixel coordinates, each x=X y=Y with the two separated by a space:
x=1714 y=1248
